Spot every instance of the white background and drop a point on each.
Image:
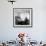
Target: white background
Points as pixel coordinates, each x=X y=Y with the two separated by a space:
x=37 y=32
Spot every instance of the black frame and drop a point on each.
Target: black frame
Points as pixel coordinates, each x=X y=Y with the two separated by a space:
x=31 y=18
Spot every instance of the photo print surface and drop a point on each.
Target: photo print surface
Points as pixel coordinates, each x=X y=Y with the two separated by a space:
x=22 y=17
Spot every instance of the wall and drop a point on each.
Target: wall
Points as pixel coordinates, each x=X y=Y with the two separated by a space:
x=37 y=32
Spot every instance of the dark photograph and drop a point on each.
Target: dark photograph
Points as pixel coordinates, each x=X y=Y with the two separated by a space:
x=22 y=17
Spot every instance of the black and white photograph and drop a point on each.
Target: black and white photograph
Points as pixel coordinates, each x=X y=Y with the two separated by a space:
x=22 y=17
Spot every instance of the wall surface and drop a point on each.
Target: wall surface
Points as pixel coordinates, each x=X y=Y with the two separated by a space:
x=37 y=32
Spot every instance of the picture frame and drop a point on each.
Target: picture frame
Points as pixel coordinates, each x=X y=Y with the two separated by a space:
x=22 y=17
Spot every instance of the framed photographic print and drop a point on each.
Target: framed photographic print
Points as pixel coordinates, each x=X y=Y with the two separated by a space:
x=22 y=17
